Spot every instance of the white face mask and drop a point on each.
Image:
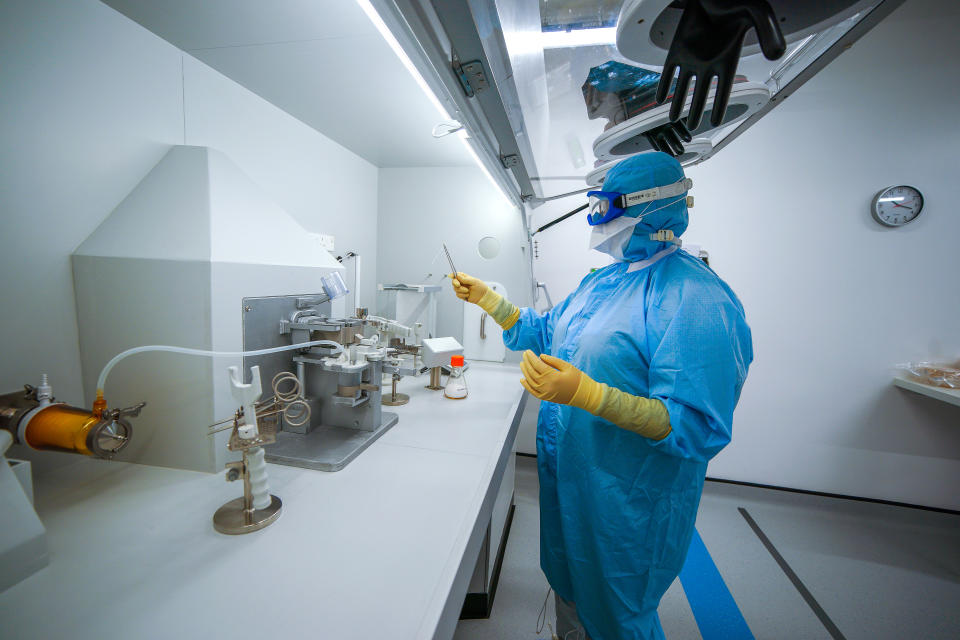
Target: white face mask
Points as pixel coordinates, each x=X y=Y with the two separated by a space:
x=612 y=237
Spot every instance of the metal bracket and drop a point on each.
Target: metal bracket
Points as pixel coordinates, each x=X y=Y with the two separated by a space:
x=510 y=161
x=308 y=302
x=538 y=201
x=472 y=78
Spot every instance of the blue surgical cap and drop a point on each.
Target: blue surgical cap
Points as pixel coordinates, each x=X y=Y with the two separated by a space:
x=645 y=171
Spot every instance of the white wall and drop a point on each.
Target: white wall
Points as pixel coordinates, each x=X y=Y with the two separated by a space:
x=89 y=103
x=422 y=208
x=561 y=253
x=327 y=188
x=834 y=299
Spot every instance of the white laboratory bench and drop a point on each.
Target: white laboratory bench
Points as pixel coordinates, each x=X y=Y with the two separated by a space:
x=384 y=548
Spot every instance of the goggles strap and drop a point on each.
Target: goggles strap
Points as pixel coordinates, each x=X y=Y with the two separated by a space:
x=656 y=193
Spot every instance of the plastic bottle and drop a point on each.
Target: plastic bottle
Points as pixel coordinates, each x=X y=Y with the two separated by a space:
x=456 y=388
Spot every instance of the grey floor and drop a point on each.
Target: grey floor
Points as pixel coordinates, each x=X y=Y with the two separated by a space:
x=875 y=571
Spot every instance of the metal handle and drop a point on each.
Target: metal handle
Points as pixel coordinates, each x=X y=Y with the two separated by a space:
x=133 y=411
x=483 y=327
x=543 y=285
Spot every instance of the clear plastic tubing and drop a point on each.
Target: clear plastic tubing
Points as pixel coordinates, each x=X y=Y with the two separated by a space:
x=200 y=352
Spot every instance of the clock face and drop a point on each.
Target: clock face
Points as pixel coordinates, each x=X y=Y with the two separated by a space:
x=896 y=206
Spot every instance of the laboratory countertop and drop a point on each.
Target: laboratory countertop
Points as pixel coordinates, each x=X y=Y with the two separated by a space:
x=951 y=396
x=383 y=548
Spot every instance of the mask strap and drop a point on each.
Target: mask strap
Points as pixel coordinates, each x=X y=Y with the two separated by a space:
x=663 y=206
x=663 y=235
x=666 y=235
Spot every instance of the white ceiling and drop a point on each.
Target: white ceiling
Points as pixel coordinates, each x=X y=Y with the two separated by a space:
x=321 y=61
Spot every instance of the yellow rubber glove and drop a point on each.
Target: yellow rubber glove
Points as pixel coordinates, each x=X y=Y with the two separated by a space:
x=474 y=290
x=556 y=380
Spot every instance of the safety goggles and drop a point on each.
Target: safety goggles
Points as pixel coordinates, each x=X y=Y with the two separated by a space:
x=605 y=206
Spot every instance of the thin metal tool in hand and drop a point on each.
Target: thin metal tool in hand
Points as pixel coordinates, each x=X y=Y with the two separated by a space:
x=450 y=260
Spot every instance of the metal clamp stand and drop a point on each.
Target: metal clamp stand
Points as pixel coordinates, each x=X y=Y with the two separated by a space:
x=395 y=399
x=238 y=516
x=244 y=514
x=435 y=384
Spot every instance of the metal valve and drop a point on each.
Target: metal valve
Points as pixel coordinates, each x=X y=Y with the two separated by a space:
x=131 y=412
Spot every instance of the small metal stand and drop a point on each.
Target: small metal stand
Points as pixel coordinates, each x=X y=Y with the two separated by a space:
x=395 y=399
x=249 y=434
x=238 y=516
x=435 y=384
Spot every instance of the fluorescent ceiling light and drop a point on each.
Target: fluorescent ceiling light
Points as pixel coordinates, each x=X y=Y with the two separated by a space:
x=397 y=49
x=483 y=167
x=578 y=38
x=412 y=69
x=522 y=43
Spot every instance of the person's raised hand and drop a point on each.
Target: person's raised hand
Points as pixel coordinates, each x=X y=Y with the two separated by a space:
x=467 y=287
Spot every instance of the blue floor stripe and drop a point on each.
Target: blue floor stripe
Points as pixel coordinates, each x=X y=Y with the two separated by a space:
x=714 y=608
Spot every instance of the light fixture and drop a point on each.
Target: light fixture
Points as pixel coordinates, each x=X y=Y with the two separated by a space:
x=603 y=36
x=412 y=69
x=445 y=128
x=397 y=49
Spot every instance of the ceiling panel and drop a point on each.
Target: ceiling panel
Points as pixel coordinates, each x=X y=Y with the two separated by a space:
x=321 y=61
x=362 y=98
x=195 y=24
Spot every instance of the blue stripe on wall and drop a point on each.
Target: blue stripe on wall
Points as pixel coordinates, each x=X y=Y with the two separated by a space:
x=714 y=608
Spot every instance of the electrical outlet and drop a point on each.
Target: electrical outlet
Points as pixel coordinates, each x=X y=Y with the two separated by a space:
x=324 y=241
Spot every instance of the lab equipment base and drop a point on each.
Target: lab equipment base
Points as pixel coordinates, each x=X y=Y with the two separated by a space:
x=325 y=448
x=233 y=519
x=397 y=400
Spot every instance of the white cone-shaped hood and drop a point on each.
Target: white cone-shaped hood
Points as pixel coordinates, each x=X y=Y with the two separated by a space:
x=198 y=205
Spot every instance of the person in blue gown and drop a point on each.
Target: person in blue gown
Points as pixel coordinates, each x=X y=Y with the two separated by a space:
x=639 y=370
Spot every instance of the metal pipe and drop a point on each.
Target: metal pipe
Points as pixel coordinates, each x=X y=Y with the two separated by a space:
x=301 y=314
x=435 y=379
x=247 y=489
x=535 y=200
x=302 y=377
x=560 y=219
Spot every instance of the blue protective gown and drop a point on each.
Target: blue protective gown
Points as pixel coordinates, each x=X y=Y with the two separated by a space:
x=617 y=509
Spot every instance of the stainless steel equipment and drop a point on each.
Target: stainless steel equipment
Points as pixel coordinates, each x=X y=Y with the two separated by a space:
x=453 y=269
x=36 y=420
x=239 y=515
x=251 y=430
x=343 y=390
x=395 y=399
